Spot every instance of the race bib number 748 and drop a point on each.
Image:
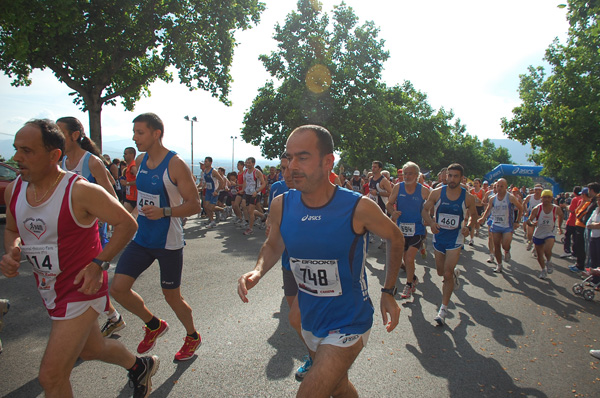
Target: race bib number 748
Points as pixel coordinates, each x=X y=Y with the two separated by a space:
x=317 y=277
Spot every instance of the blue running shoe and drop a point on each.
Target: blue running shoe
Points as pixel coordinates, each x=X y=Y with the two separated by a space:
x=303 y=370
x=573 y=268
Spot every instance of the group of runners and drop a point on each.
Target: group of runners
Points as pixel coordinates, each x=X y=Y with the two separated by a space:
x=53 y=209
x=318 y=229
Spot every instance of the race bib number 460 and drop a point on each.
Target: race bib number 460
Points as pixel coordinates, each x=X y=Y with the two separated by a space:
x=448 y=221
x=317 y=277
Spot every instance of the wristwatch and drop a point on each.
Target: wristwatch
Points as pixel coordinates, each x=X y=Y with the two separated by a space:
x=391 y=291
x=104 y=265
x=167 y=211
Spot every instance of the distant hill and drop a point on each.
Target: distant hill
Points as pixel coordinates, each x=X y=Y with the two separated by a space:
x=518 y=151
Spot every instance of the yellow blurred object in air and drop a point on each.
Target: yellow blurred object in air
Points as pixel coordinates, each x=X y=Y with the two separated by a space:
x=318 y=79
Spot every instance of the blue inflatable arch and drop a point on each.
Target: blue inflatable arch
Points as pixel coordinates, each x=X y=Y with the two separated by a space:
x=520 y=170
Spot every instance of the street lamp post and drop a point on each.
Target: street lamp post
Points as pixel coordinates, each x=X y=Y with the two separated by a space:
x=192 y=120
x=233 y=138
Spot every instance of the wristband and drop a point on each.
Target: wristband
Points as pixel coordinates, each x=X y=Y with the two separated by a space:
x=391 y=291
x=104 y=265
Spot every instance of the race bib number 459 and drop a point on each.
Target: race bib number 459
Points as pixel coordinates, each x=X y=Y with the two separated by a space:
x=317 y=277
x=147 y=199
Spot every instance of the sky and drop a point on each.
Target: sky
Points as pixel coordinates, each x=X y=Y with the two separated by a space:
x=466 y=55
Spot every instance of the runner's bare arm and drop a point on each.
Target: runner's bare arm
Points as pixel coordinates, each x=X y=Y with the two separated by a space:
x=471 y=209
x=180 y=174
x=425 y=192
x=533 y=216
x=515 y=201
x=391 y=201
x=101 y=175
x=263 y=182
x=387 y=186
x=369 y=217
x=560 y=220
x=270 y=252
x=485 y=215
x=91 y=201
x=337 y=181
x=220 y=179
x=9 y=265
x=428 y=207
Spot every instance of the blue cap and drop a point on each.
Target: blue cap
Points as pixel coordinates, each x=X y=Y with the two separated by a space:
x=585 y=191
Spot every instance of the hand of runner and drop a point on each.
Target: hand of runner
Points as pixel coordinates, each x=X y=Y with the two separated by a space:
x=390 y=307
x=152 y=212
x=10 y=263
x=92 y=277
x=247 y=282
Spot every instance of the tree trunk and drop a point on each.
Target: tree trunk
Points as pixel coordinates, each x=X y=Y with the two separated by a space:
x=94 y=111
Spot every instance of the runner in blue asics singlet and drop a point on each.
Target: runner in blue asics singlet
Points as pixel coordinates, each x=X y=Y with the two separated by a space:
x=324 y=229
x=449 y=215
x=450 y=204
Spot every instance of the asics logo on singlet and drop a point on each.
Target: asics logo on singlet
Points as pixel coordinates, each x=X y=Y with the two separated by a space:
x=311 y=218
x=142 y=171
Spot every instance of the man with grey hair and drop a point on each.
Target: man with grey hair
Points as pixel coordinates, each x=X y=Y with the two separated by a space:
x=405 y=205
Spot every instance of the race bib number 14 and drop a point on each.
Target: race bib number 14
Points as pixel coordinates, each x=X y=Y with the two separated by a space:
x=43 y=258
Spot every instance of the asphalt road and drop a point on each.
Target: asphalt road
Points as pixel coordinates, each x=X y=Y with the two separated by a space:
x=508 y=335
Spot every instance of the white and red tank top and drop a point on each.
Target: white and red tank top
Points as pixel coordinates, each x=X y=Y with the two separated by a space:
x=57 y=246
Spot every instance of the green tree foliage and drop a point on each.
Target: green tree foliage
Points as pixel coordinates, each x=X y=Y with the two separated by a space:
x=410 y=129
x=327 y=73
x=111 y=49
x=560 y=110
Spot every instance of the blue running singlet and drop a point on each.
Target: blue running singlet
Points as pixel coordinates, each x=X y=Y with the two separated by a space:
x=328 y=261
x=449 y=215
x=410 y=221
x=156 y=188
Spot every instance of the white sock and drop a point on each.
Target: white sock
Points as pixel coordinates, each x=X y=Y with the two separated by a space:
x=114 y=316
